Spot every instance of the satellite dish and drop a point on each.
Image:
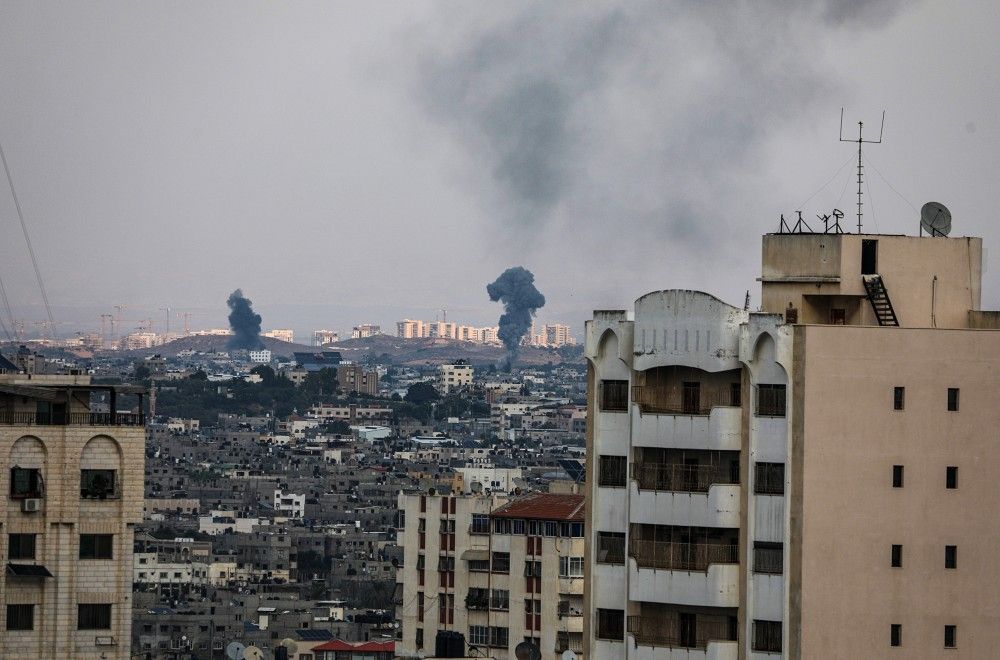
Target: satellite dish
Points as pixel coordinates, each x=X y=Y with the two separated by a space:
x=290 y=644
x=935 y=219
x=235 y=651
x=568 y=655
x=253 y=653
x=527 y=651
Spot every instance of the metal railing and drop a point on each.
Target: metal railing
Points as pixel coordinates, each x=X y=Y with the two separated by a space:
x=672 y=401
x=680 y=477
x=667 y=631
x=12 y=418
x=681 y=556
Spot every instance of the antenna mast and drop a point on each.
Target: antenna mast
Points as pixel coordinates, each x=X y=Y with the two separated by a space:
x=860 y=141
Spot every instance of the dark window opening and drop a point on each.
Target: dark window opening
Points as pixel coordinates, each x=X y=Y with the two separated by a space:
x=735 y=395
x=898 y=398
x=897 y=556
x=691 y=401
x=770 y=400
x=838 y=316
x=25 y=482
x=895 y=635
x=614 y=395
x=20 y=617
x=949 y=637
x=610 y=548
x=869 y=257
x=951 y=477
x=953 y=399
x=951 y=556
x=769 y=478
x=98 y=484
x=613 y=471
x=21 y=546
x=611 y=624
x=96 y=546
x=767 y=636
x=767 y=557
x=93 y=616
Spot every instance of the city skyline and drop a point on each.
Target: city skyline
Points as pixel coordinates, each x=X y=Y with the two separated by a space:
x=699 y=164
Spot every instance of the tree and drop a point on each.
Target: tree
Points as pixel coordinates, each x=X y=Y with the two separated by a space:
x=140 y=371
x=198 y=375
x=422 y=392
x=266 y=374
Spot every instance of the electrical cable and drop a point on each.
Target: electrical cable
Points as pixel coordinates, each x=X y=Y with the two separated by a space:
x=881 y=176
x=820 y=189
x=10 y=315
x=27 y=240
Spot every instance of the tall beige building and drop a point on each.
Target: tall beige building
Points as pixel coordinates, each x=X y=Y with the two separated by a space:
x=497 y=572
x=814 y=480
x=73 y=484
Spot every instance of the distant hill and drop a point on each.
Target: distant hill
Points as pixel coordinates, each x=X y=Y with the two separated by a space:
x=385 y=348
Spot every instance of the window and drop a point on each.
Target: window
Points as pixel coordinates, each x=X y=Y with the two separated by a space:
x=953 y=399
x=767 y=636
x=20 y=617
x=691 y=397
x=897 y=556
x=949 y=637
x=97 y=546
x=951 y=556
x=613 y=470
x=770 y=400
x=479 y=635
x=533 y=569
x=500 y=599
x=480 y=524
x=610 y=548
x=502 y=526
x=501 y=562
x=25 y=482
x=98 y=484
x=614 y=395
x=571 y=567
x=735 y=395
x=21 y=546
x=896 y=635
x=897 y=476
x=419 y=640
x=478 y=599
x=951 y=477
x=420 y=607
x=518 y=528
x=767 y=557
x=611 y=624
x=769 y=478
x=479 y=565
x=498 y=636
x=93 y=616
x=898 y=398
x=838 y=316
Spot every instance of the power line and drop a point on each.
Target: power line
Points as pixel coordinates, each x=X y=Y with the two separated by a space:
x=10 y=315
x=835 y=175
x=882 y=176
x=27 y=240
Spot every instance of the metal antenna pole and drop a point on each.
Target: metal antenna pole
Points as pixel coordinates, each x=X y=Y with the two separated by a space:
x=860 y=142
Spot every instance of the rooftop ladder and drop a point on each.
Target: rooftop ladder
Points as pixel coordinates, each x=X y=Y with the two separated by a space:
x=879 y=298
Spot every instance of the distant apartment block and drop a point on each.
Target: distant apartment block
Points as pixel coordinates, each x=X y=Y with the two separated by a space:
x=814 y=480
x=73 y=484
x=416 y=329
x=282 y=334
x=496 y=573
x=325 y=337
x=259 y=356
x=454 y=376
x=365 y=330
x=355 y=378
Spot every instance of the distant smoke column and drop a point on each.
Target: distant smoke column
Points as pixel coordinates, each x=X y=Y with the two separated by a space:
x=244 y=322
x=516 y=290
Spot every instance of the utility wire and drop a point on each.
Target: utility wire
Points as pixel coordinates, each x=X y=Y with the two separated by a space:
x=881 y=176
x=820 y=189
x=27 y=240
x=871 y=203
x=6 y=304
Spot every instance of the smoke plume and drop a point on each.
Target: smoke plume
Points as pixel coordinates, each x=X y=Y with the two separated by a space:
x=244 y=322
x=515 y=288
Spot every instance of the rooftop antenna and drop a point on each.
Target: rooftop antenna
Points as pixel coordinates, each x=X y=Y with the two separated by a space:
x=860 y=141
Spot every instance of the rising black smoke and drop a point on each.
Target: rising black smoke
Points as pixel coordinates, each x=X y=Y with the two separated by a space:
x=244 y=322
x=515 y=288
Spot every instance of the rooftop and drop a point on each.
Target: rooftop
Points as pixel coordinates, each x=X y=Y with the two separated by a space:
x=544 y=506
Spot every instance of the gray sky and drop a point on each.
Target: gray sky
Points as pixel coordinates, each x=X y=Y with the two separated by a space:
x=347 y=162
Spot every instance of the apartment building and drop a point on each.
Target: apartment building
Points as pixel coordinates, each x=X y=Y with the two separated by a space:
x=365 y=330
x=355 y=378
x=282 y=334
x=73 y=480
x=454 y=376
x=813 y=480
x=557 y=334
x=498 y=573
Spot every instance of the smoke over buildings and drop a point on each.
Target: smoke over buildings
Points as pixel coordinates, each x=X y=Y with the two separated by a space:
x=244 y=322
x=515 y=288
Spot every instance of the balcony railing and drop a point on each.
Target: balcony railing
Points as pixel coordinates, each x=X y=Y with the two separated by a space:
x=680 y=477
x=671 y=401
x=667 y=631
x=11 y=418
x=681 y=556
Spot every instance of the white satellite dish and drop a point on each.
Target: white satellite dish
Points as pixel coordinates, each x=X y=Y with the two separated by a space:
x=253 y=653
x=235 y=651
x=290 y=644
x=568 y=655
x=935 y=219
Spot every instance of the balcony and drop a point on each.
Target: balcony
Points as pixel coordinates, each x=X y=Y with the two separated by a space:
x=719 y=506
x=717 y=429
x=702 y=574
x=688 y=632
x=13 y=418
x=571 y=586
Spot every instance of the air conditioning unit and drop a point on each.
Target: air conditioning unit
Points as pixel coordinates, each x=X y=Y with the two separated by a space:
x=31 y=505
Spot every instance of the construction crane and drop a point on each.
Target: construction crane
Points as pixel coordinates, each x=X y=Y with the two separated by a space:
x=167 y=327
x=118 y=320
x=187 y=321
x=105 y=318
